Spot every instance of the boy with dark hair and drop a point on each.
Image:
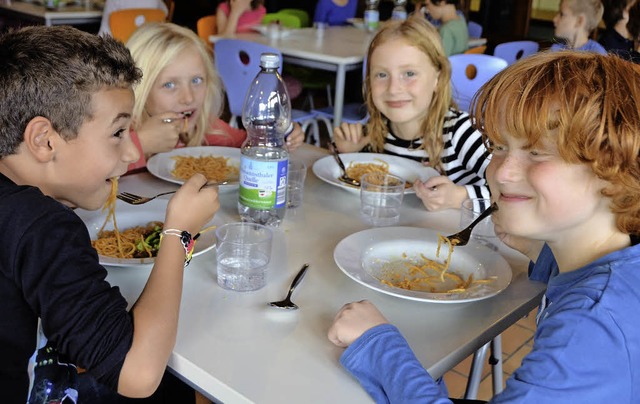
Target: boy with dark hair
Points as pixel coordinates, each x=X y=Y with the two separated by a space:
x=65 y=108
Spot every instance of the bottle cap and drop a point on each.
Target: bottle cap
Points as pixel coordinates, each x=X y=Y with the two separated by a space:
x=269 y=61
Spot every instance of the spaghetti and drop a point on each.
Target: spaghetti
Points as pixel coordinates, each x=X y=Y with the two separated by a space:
x=137 y=242
x=215 y=168
x=357 y=170
x=427 y=275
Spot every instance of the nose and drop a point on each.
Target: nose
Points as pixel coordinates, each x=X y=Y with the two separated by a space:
x=505 y=169
x=130 y=152
x=186 y=95
x=395 y=84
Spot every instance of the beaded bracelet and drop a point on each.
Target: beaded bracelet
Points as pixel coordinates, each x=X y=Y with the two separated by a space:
x=187 y=241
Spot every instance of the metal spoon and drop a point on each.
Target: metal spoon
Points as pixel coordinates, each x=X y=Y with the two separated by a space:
x=287 y=303
x=344 y=177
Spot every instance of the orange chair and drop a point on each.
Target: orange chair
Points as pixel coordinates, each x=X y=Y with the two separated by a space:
x=124 y=22
x=206 y=26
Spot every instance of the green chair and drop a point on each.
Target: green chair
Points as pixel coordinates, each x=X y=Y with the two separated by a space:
x=285 y=20
x=301 y=14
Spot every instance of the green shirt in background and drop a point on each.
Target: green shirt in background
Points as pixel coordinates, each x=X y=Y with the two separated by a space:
x=455 y=36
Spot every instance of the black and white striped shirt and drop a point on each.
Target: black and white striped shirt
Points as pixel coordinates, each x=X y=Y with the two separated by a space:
x=464 y=157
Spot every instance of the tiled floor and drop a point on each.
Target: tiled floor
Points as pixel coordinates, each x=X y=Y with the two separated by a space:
x=516 y=343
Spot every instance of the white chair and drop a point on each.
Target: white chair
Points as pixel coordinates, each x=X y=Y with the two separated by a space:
x=469 y=72
x=238 y=62
x=515 y=50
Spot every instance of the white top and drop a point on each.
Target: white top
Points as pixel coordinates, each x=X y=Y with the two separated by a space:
x=113 y=5
x=233 y=347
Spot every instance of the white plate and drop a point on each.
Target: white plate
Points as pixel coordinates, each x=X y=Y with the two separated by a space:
x=162 y=164
x=128 y=216
x=362 y=254
x=328 y=171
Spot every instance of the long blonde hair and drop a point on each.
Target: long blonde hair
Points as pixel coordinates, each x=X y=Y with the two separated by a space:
x=156 y=45
x=417 y=32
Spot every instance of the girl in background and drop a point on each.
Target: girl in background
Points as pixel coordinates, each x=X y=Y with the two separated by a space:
x=408 y=95
x=239 y=16
x=179 y=99
x=575 y=22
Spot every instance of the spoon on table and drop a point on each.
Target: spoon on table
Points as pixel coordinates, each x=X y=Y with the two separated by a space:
x=344 y=177
x=287 y=303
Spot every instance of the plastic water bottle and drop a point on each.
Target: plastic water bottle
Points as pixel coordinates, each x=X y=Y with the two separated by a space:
x=266 y=116
x=371 y=15
x=399 y=10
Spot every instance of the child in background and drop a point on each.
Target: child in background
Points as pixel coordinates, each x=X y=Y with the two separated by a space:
x=616 y=38
x=335 y=12
x=114 y=5
x=65 y=110
x=408 y=94
x=239 y=16
x=452 y=26
x=633 y=26
x=575 y=22
x=180 y=96
x=565 y=173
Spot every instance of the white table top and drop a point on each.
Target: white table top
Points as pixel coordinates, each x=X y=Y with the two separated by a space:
x=232 y=347
x=337 y=45
x=64 y=13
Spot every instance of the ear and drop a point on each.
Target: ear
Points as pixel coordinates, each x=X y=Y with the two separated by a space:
x=38 y=137
x=581 y=20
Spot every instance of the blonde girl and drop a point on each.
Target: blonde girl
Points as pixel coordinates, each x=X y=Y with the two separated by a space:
x=408 y=95
x=180 y=97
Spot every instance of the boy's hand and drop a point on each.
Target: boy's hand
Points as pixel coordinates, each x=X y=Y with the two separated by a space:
x=160 y=133
x=295 y=138
x=349 y=137
x=192 y=206
x=352 y=321
x=439 y=193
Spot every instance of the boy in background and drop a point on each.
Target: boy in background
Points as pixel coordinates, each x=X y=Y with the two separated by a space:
x=574 y=24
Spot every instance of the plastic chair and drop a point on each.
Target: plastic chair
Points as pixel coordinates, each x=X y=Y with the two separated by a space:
x=351 y=113
x=469 y=72
x=515 y=50
x=124 y=22
x=206 y=26
x=238 y=62
x=302 y=15
x=286 y=20
x=475 y=29
x=478 y=50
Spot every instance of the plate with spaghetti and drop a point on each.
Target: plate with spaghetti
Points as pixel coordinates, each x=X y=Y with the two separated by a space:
x=217 y=163
x=402 y=262
x=129 y=217
x=358 y=164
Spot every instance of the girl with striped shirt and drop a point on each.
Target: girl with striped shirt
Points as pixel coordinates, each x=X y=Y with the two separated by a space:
x=408 y=94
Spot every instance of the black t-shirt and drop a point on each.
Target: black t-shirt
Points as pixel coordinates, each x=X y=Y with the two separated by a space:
x=49 y=270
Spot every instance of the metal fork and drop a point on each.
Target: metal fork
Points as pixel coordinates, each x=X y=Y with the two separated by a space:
x=134 y=199
x=344 y=177
x=462 y=237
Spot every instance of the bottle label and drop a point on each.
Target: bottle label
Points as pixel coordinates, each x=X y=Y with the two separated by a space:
x=263 y=184
x=371 y=19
